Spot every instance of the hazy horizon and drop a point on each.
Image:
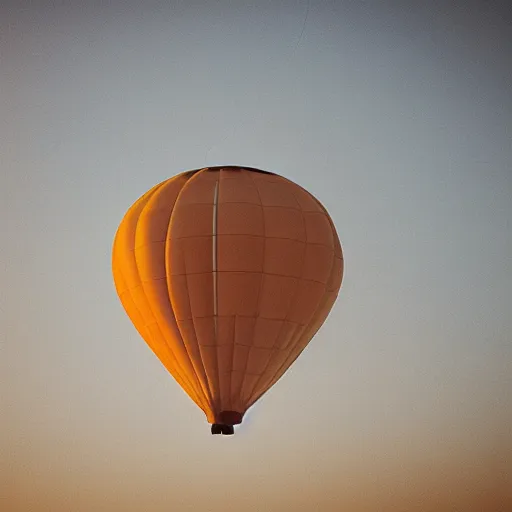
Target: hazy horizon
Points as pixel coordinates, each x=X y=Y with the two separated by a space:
x=397 y=116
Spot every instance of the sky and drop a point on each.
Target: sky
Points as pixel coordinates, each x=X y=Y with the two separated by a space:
x=397 y=116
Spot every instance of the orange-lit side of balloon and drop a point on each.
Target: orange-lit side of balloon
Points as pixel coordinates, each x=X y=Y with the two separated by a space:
x=227 y=273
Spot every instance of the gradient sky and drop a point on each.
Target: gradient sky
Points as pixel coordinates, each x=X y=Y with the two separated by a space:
x=397 y=116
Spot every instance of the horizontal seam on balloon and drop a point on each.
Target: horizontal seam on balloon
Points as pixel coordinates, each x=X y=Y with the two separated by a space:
x=230 y=372
x=267 y=206
x=248 y=235
x=274 y=348
x=273 y=206
x=252 y=272
x=202 y=203
x=244 y=372
x=257 y=272
x=247 y=202
x=237 y=178
x=241 y=316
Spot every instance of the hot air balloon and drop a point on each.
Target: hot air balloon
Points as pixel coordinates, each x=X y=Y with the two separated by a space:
x=227 y=273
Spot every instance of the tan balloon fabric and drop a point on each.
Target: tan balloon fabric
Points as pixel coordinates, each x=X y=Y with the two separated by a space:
x=227 y=273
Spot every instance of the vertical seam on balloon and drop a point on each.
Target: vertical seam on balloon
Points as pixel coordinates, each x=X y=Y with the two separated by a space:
x=230 y=397
x=215 y=286
x=205 y=392
x=182 y=373
x=291 y=304
x=258 y=302
x=214 y=253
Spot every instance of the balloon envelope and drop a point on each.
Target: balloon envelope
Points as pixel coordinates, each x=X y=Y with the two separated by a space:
x=227 y=273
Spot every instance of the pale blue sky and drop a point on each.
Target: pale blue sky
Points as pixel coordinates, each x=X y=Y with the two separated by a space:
x=397 y=116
